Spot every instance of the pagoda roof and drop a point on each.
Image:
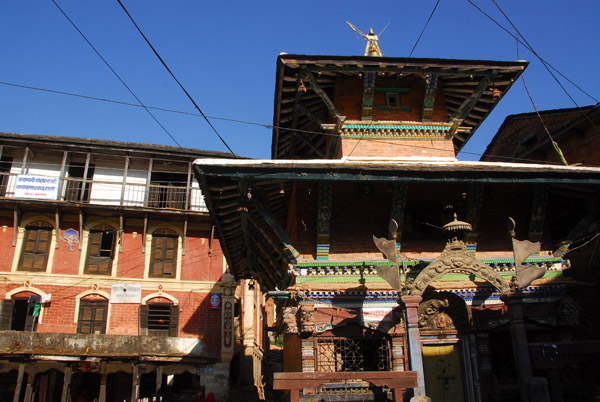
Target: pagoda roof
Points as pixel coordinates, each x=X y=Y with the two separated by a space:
x=466 y=85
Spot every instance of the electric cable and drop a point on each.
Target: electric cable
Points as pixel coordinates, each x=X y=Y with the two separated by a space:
x=116 y=74
x=424 y=28
x=175 y=78
x=531 y=50
x=560 y=154
x=529 y=47
x=267 y=126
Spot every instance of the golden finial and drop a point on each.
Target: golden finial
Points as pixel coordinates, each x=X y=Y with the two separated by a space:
x=372 y=48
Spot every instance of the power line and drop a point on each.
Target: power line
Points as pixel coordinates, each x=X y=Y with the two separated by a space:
x=175 y=78
x=531 y=50
x=548 y=69
x=424 y=28
x=116 y=75
x=267 y=126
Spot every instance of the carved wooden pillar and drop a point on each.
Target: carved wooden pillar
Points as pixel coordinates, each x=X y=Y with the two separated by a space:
x=323 y=220
x=411 y=304
x=398 y=208
x=135 y=385
x=66 y=390
x=474 y=206
x=29 y=389
x=538 y=212
x=514 y=303
x=430 y=88
x=102 y=396
x=19 y=385
x=159 y=384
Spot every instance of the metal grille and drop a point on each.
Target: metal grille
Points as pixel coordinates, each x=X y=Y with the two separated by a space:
x=353 y=354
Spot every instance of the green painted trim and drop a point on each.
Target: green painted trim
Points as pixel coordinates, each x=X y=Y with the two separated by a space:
x=454 y=277
x=307 y=264
x=396 y=127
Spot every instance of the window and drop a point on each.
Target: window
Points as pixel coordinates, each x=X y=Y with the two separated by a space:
x=353 y=354
x=392 y=100
x=77 y=188
x=163 y=260
x=5 y=165
x=92 y=317
x=36 y=247
x=101 y=250
x=168 y=190
x=20 y=314
x=159 y=319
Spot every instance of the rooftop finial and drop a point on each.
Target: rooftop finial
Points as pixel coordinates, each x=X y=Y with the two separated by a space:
x=372 y=48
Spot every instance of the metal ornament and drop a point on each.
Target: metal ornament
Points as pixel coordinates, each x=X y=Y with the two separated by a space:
x=391 y=273
x=521 y=250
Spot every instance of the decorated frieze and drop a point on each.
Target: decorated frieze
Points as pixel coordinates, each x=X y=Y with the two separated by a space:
x=396 y=130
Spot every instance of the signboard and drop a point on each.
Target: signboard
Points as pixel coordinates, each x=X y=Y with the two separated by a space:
x=215 y=300
x=121 y=293
x=33 y=186
x=376 y=315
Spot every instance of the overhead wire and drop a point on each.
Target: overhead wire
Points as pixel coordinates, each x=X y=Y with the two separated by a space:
x=267 y=126
x=530 y=48
x=424 y=28
x=115 y=73
x=559 y=152
x=175 y=78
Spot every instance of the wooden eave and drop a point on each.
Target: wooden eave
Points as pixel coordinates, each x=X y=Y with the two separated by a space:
x=459 y=78
x=254 y=250
x=110 y=148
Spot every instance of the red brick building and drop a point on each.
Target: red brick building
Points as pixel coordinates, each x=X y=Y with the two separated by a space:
x=523 y=138
x=389 y=260
x=113 y=286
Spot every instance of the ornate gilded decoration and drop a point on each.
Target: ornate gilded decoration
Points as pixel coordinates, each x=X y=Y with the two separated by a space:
x=455 y=257
x=442 y=311
x=567 y=312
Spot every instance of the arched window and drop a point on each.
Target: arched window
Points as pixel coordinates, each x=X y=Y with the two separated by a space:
x=93 y=314
x=160 y=318
x=36 y=246
x=163 y=261
x=101 y=250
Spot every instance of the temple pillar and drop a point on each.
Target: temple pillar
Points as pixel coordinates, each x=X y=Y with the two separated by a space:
x=514 y=302
x=411 y=304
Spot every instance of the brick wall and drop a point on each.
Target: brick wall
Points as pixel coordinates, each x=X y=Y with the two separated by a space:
x=196 y=318
x=382 y=147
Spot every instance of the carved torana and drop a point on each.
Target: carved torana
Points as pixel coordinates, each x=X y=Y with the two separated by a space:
x=455 y=257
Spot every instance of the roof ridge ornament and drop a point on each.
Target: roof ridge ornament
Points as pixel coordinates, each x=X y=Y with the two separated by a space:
x=372 y=48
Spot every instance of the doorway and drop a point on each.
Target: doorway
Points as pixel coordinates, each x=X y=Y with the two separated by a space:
x=443 y=372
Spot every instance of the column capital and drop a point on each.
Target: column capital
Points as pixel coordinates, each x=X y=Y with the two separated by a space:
x=411 y=301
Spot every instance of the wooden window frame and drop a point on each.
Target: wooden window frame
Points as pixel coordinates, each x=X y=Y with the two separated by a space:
x=150 y=314
x=94 y=322
x=35 y=249
x=7 y=314
x=99 y=259
x=164 y=255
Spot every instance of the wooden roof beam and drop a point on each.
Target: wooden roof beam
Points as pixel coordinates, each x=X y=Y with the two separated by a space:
x=465 y=108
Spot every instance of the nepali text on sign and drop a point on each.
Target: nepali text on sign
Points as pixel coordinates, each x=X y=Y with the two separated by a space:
x=33 y=186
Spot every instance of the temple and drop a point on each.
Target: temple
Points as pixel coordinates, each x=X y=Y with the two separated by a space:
x=397 y=270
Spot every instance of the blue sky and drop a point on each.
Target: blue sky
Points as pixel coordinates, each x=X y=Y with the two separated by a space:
x=224 y=54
